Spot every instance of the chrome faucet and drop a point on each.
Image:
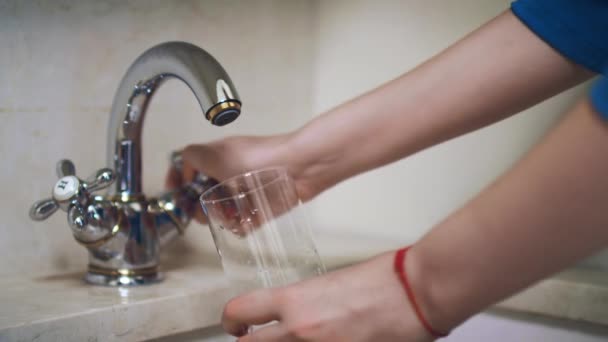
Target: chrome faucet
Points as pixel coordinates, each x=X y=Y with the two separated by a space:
x=123 y=229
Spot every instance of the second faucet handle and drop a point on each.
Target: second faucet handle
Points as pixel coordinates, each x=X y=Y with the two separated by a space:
x=65 y=167
x=102 y=179
x=200 y=183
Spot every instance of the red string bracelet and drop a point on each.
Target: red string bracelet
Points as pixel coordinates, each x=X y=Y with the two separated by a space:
x=400 y=270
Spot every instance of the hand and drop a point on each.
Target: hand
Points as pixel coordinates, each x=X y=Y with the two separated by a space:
x=365 y=302
x=234 y=155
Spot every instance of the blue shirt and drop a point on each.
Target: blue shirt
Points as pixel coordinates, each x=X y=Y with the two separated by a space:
x=578 y=29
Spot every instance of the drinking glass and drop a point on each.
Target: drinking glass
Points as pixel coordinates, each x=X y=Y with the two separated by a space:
x=261 y=230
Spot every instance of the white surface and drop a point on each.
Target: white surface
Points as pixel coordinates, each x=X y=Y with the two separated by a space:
x=522 y=328
x=484 y=327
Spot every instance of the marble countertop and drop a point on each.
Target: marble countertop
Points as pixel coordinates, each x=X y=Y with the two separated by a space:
x=575 y=294
x=62 y=307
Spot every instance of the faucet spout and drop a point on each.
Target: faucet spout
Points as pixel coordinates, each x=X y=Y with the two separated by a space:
x=204 y=75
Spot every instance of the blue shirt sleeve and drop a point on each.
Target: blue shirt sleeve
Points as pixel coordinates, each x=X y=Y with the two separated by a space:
x=599 y=97
x=578 y=29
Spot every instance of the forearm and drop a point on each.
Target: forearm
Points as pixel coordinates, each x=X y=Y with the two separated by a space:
x=494 y=72
x=545 y=214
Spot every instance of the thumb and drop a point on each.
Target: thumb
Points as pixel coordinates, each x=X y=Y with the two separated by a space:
x=188 y=171
x=173 y=179
x=203 y=158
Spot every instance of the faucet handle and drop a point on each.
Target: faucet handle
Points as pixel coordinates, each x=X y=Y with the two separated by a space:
x=177 y=160
x=200 y=183
x=42 y=209
x=65 y=167
x=71 y=194
x=64 y=194
x=102 y=179
x=76 y=217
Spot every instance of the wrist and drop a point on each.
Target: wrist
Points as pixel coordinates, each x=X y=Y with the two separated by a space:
x=385 y=300
x=309 y=162
x=428 y=293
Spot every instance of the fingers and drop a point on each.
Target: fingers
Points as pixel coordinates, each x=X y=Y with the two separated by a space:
x=191 y=159
x=199 y=216
x=173 y=179
x=188 y=172
x=201 y=158
x=272 y=333
x=255 y=308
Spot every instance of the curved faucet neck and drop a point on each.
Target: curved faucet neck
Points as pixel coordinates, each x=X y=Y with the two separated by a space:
x=204 y=75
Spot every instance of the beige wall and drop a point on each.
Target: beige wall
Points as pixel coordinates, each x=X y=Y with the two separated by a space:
x=61 y=62
x=60 y=65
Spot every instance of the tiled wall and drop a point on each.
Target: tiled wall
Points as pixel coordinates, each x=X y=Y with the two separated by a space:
x=60 y=64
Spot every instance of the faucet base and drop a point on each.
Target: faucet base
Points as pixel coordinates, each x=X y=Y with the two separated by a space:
x=123 y=277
